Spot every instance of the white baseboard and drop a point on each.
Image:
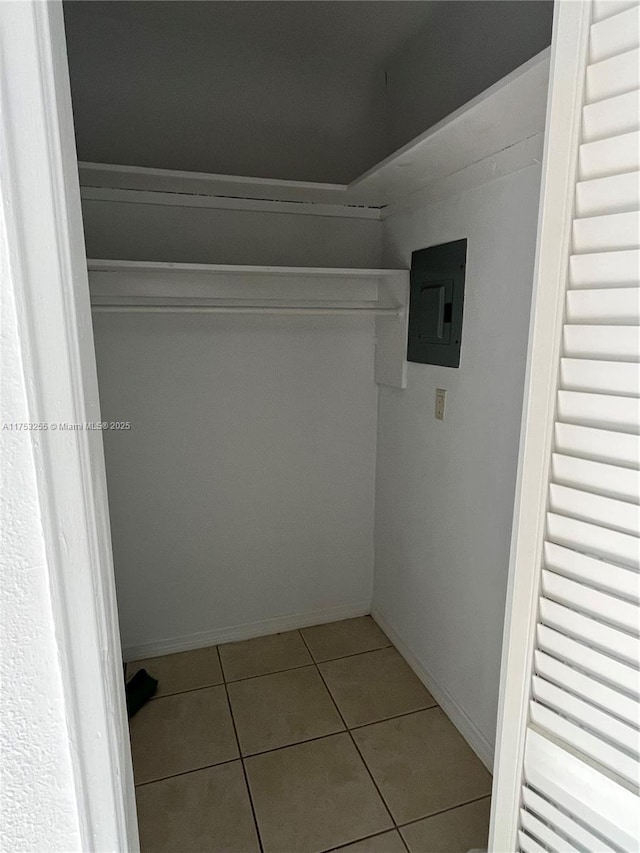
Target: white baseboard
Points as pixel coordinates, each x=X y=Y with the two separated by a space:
x=244 y=632
x=482 y=747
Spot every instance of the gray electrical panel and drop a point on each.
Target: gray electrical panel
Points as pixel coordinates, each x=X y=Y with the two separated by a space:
x=436 y=302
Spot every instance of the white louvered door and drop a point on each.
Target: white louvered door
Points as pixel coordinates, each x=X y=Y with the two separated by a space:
x=568 y=768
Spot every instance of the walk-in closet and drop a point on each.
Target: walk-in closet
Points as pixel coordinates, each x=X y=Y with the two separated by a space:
x=320 y=445
x=311 y=422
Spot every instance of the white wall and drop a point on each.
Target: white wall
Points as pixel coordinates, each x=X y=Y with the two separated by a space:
x=39 y=811
x=444 y=495
x=242 y=499
x=146 y=232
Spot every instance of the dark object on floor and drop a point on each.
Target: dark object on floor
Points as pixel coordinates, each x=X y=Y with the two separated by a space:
x=139 y=690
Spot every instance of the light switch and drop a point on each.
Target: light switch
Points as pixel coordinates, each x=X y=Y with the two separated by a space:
x=440 y=400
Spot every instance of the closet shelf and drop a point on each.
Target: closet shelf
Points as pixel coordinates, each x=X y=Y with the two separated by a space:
x=165 y=308
x=153 y=287
x=110 y=265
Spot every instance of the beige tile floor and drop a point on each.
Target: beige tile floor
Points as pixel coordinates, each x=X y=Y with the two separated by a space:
x=308 y=741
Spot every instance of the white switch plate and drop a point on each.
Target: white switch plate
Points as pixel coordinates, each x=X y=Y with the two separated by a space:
x=440 y=401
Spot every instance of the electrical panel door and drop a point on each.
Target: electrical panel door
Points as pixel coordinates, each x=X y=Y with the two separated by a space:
x=436 y=303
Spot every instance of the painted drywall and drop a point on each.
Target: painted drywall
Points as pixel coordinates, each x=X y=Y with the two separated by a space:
x=243 y=492
x=148 y=232
x=39 y=809
x=242 y=497
x=463 y=48
x=445 y=489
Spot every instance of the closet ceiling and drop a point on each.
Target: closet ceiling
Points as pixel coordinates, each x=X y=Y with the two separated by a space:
x=316 y=91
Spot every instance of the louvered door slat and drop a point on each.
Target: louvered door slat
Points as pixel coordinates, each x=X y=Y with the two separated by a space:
x=608 y=480
x=544 y=833
x=609 y=306
x=589 y=630
x=588 y=538
x=580 y=374
x=529 y=844
x=608 y=809
x=618 y=448
x=608 y=233
x=603 y=9
x=615 y=194
x=613 y=156
x=613 y=76
x=611 y=117
x=613 y=343
x=592 y=602
x=601 y=411
x=593 y=746
x=605 y=269
x=571 y=829
x=613 y=701
x=588 y=659
x=587 y=716
x=598 y=573
x=615 y=35
x=605 y=512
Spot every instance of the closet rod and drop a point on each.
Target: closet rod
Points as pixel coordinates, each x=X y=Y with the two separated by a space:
x=243 y=309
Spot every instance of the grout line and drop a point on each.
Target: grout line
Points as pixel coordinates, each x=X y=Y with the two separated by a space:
x=244 y=769
x=444 y=811
x=393 y=717
x=364 y=838
x=261 y=674
x=187 y=690
x=185 y=772
x=271 y=672
x=405 y=844
x=295 y=743
x=366 y=766
x=353 y=654
x=375 y=784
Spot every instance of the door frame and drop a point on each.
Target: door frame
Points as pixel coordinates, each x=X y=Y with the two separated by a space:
x=40 y=194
